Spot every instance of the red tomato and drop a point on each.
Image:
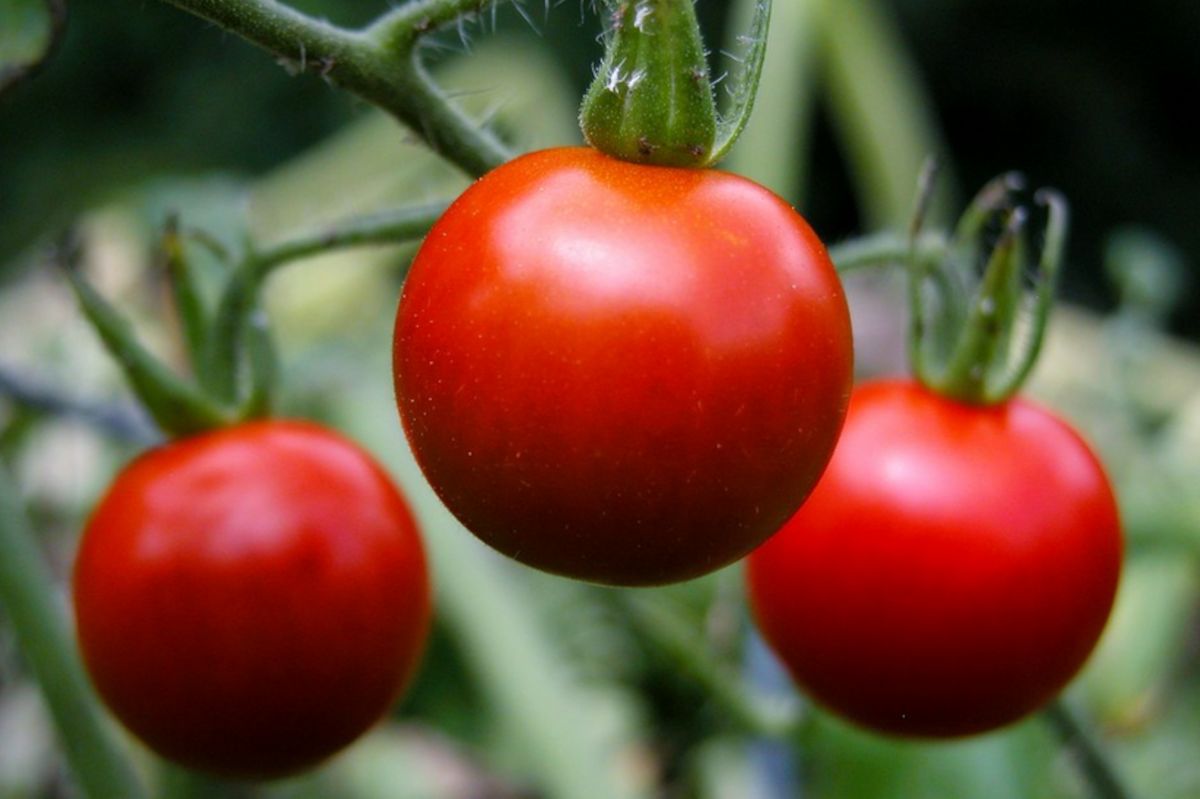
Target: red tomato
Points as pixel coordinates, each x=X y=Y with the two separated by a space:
x=251 y=600
x=952 y=570
x=622 y=373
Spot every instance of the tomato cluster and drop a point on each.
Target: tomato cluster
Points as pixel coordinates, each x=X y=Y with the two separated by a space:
x=623 y=373
x=251 y=600
x=626 y=374
x=952 y=569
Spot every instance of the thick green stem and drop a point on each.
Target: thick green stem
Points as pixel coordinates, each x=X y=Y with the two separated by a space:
x=399 y=28
x=27 y=597
x=1094 y=764
x=651 y=101
x=378 y=64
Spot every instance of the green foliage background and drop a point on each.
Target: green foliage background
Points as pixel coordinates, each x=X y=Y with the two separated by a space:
x=535 y=686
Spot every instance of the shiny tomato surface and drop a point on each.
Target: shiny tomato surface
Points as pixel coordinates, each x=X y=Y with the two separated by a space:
x=622 y=373
x=952 y=570
x=251 y=600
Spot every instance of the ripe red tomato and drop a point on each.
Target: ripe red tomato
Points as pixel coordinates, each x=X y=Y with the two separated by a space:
x=251 y=600
x=622 y=373
x=951 y=571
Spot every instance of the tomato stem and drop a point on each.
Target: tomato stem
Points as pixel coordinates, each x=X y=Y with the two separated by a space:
x=240 y=321
x=379 y=64
x=26 y=594
x=1094 y=763
x=885 y=249
x=393 y=226
x=652 y=101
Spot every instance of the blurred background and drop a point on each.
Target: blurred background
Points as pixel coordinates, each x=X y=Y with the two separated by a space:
x=534 y=686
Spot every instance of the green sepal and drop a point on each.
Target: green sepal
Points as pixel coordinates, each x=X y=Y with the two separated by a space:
x=226 y=339
x=187 y=296
x=980 y=351
x=651 y=101
x=732 y=121
x=263 y=366
x=979 y=346
x=176 y=406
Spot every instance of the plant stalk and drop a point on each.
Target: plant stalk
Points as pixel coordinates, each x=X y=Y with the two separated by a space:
x=1094 y=764
x=27 y=596
x=382 y=69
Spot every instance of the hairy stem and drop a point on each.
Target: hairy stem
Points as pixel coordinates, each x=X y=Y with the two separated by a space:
x=378 y=64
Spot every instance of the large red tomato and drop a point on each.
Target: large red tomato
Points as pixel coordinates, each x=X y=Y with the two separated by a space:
x=951 y=571
x=251 y=600
x=623 y=373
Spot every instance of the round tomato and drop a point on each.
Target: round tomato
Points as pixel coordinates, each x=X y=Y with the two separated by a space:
x=251 y=600
x=951 y=571
x=622 y=373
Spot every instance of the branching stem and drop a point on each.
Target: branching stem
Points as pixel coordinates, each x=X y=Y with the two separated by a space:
x=379 y=64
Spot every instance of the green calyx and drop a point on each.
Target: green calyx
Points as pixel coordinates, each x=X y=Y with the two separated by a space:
x=228 y=343
x=975 y=337
x=652 y=101
x=217 y=344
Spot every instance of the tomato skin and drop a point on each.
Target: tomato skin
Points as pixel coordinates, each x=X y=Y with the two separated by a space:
x=952 y=570
x=249 y=601
x=621 y=373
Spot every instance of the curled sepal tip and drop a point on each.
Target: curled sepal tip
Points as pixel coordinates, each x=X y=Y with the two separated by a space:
x=743 y=89
x=978 y=344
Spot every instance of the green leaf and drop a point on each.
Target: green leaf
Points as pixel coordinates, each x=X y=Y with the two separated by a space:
x=30 y=605
x=29 y=30
x=879 y=107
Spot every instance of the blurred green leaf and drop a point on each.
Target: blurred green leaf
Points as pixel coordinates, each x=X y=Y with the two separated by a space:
x=846 y=763
x=29 y=30
x=1146 y=638
x=880 y=110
